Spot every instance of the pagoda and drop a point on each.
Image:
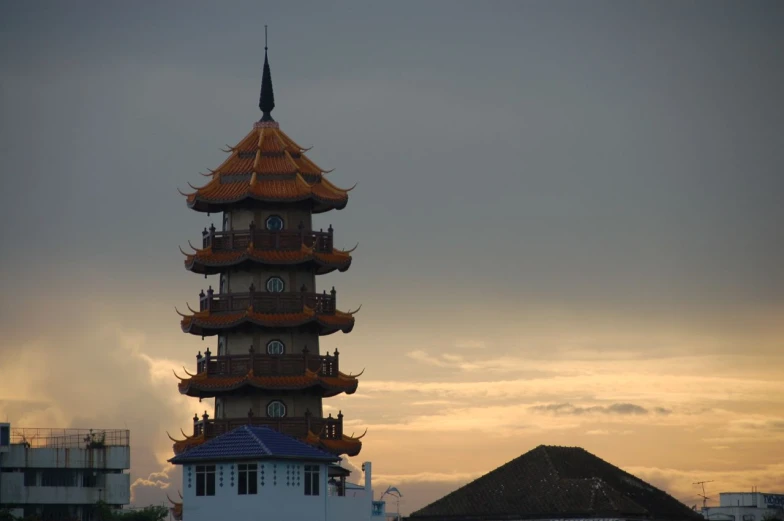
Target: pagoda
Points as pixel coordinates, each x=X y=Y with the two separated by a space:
x=267 y=368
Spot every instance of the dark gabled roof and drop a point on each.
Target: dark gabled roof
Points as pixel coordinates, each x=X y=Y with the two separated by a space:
x=556 y=482
x=249 y=442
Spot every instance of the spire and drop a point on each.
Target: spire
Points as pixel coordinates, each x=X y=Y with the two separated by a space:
x=267 y=98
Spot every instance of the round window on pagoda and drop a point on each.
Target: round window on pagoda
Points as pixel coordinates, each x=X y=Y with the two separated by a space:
x=276 y=409
x=275 y=347
x=274 y=223
x=275 y=285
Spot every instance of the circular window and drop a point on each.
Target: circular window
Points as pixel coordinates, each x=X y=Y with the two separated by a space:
x=275 y=285
x=274 y=223
x=275 y=347
x=276 y=409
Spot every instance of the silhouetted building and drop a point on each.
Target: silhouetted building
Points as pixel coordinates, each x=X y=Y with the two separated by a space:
x=557 y=483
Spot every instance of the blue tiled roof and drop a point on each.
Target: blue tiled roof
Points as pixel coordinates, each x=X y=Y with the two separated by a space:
x=249 y=442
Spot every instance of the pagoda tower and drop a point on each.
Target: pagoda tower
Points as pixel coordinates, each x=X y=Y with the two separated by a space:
x=267 y=368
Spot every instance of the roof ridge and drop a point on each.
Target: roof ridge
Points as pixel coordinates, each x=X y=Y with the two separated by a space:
x=550 y=462
x=258 y=440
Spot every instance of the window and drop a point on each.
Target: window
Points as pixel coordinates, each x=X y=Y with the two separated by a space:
x=90 y=479
x=276 y=409
x=5 y=435
x=275 y=285
x=274 y=223
x=205 y=480
x=311 y=480
x=275 y=347
x=58 y=478
x=30 y=478
x=246 y=479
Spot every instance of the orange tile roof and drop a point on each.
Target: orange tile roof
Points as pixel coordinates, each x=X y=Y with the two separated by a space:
x=203 y=385
x=206 y=323
x=347 y=445
x=267 y=166
x=204 y=259
x=181 y=446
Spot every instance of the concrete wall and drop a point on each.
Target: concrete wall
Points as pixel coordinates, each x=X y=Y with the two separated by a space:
x=240 y=219
x=296 y=404
x=116 y=458
x=116 y=491
x=757 y=499
x=275 y=501
x=238 y=343
x=240 y=281
x=739 y=513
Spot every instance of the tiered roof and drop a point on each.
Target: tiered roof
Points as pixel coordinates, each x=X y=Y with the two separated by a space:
x=204 y=386
x=206 y=323
x=207 y=261
x=556 y=483
x=267 y=166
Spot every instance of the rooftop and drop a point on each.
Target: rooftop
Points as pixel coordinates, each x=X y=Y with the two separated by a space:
x=250 y=442
x=563 y=482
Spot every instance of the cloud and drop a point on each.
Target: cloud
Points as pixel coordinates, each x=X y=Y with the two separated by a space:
x=568 y=408
x=157 y=480
x=470 y=344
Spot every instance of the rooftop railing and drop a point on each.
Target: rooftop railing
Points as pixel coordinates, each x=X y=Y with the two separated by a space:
x=33 y=437
x=268 y=302
x=327 y=428
x=267 y=365
x=284 y=240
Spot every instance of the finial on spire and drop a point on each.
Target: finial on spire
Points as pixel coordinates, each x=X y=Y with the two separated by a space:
x=267 y=98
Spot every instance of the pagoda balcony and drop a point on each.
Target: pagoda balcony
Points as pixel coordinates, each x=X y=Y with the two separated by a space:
x=268 y=302
x=299 y=427
x=267 y=365
x=283 y=240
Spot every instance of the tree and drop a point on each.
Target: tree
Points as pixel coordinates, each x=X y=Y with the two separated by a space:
x=151 y=513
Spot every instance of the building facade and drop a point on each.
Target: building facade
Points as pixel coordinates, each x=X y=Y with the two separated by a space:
x=61 y=474
x=746 y=506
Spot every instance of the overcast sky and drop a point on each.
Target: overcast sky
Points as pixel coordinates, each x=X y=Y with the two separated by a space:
x=569 y=216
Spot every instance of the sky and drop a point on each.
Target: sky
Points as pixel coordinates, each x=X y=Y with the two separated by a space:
x=569 y=218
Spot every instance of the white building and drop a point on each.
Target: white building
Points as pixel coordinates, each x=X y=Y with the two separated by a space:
x=746 y=506
x=259 y=473
x=61 y=474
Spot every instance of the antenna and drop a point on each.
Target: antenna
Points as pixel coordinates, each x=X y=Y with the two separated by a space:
x=265 y=37
x=703 y=496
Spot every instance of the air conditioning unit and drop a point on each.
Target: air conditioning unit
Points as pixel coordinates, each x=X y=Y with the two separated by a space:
x=5 y=436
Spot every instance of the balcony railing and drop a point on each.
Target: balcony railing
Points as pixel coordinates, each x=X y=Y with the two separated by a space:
x=284 y=240
x=267 y=365
x=327 y=428
x=267 y=302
